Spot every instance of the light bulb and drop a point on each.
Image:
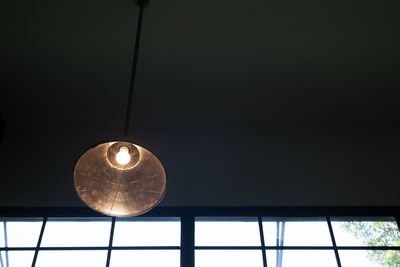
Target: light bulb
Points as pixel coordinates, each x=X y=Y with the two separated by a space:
x=123 y=156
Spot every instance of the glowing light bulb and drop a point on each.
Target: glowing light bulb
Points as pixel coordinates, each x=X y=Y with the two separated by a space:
x=123 y=156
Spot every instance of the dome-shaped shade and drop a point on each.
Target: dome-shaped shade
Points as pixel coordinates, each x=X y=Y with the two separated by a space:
x=119 y=190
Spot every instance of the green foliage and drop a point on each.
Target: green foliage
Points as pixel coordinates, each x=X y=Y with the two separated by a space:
x=378 y=234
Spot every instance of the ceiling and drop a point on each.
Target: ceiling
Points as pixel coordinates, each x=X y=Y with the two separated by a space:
x=246 y=103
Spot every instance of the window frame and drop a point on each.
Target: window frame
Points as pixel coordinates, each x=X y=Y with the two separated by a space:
x=187 y=217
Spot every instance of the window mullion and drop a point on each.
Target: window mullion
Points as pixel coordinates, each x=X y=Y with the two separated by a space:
x=187 y=241
x=110 y=241
x=39 y=242
x=328 y=220
x=264 y=255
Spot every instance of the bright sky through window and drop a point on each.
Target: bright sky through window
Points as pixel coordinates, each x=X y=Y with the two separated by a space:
x=145 y=258
x=147 y=233
x=23 y=233
x=233 y=242
x=86 y=233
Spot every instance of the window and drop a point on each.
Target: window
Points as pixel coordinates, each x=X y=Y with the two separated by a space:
x=297 y=242
x=376 y=237
x=196 y=237
x=293 y=242
x=82 y=242
x=230 y=242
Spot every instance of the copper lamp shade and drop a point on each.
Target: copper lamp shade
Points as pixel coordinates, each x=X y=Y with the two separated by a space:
x=120 y=179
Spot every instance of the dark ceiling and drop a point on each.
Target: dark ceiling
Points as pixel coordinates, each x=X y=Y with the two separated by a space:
x=245 y=102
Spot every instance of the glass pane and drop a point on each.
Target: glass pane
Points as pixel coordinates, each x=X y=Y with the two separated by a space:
x=366 y=233
x=302 y=258
x=296 y=233
x=76 y=258
x=23 y=233
x=370 y=258
x=2 y=234
x=227 y=232
x=145 y=258
x=76 y=233
x=17 y=258
x=147 y=233
x=231 y=258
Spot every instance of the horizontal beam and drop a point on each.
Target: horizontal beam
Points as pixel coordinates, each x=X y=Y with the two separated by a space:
x=317 y=211
x=93 y=248
x=206 y=248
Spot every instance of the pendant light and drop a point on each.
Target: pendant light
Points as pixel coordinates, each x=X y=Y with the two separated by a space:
x=119 y=178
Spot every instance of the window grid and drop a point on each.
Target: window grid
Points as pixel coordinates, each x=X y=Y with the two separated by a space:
x=36 y=249
x=279 y=247
x=187 y=246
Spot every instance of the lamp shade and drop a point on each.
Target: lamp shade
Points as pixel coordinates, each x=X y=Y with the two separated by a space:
x=119 y=179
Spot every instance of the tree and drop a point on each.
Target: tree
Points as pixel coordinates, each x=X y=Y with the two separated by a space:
x=378 y=233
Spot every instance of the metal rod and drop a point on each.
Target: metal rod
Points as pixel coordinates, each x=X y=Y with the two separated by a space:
x=110 y=242
x=328 y=220
x=264 y=255
x=39 y=242
x=1 y=261
x=134 y=67
x=281 y=239
x=277 y=242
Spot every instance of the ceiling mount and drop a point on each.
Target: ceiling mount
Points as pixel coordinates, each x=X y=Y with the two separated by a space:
x=142 y=3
